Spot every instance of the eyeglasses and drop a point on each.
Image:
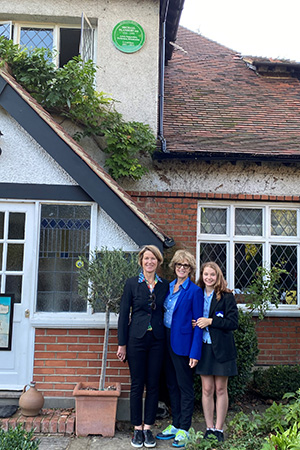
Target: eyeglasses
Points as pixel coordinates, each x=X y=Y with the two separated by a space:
x=184 y=266
x=152 y=299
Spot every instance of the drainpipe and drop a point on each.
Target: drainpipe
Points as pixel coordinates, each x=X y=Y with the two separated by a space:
x=162 y=56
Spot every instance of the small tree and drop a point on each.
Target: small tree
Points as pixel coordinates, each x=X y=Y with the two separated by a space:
x=264 y=290
x=101 y=281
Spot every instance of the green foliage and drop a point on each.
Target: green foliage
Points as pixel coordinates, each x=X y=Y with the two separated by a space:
x=263 y=291
x=247 y=351
x=278 y=428
x=18 y=439
x=69 y=91
x=101 y=278
x=274 y=381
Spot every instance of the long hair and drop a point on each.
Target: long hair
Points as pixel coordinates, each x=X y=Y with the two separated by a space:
x=221 y=284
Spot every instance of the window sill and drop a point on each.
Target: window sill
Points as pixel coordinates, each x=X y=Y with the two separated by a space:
x=280 y=312
x=72 y=320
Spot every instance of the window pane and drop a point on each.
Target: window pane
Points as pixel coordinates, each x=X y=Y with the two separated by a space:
x=283 y=222
x=248 y=222
x=286 y=255
x=213 y=220
x=64 y=235
x=215 y=253
x=1 y=253
x=16 y=226
x=5 y=30
x=14 y=257
x=36 y=38
x=14 y=286
x=248 y=257
x=69 y=44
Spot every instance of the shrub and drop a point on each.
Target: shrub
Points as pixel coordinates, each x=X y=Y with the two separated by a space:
x=247 y=351
x=17 y=438
x=276 y=380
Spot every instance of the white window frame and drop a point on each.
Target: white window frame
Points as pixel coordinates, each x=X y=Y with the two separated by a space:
x=56 y=33
x=266 y=239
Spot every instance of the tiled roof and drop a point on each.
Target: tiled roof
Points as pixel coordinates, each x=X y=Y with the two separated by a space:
x=218 y=105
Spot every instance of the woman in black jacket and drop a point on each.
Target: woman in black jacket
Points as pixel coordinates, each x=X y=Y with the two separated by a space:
x=141 y=341
x=218 y=360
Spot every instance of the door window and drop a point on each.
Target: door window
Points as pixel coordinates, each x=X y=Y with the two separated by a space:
x=64 y=236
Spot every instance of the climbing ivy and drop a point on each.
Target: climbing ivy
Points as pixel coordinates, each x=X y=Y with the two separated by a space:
x=69 y=91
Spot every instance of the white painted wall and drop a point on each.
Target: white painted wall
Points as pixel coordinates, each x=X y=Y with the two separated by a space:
x=23 y=160
x=131 y=79
x=220 y=178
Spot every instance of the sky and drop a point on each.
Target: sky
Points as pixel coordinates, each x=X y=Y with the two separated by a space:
x=267 y=28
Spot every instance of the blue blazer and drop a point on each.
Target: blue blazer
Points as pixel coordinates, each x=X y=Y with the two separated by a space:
x=185 y=340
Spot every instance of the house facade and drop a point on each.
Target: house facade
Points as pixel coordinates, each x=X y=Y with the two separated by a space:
x=224 y=183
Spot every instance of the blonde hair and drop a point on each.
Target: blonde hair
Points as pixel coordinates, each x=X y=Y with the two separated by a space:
x=153 y=249
x=183 y=255
x=221 y=283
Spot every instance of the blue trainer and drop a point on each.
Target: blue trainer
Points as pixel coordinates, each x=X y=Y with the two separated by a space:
x=167 y=433
x=181 y=438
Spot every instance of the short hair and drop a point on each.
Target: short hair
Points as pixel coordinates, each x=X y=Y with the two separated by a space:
x=183 y=255
x=153 y=249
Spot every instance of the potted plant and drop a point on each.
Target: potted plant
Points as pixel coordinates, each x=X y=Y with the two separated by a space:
x=101 y=281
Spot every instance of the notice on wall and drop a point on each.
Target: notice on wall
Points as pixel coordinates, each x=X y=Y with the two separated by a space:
x=128 y=36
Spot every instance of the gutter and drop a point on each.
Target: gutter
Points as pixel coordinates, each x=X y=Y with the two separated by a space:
x=162 y=56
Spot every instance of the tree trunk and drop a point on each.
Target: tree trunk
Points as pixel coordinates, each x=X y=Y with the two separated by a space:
x=105 y=347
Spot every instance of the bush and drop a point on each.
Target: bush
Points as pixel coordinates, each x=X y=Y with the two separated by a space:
x=275 y=381
x=247 y=351
x=18 y=439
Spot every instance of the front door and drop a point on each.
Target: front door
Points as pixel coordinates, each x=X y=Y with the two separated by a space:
x=17 y=272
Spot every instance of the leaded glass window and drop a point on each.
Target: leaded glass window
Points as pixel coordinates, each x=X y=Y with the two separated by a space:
x=213 y=220
x=64 y=236
x=241 y=237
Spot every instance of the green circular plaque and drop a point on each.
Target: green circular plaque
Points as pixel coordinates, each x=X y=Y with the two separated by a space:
x=128 y=36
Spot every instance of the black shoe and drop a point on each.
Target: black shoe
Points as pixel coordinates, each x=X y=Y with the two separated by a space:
x=137 y=439
x=219 y=435
x=149 y=440
x=209 y=434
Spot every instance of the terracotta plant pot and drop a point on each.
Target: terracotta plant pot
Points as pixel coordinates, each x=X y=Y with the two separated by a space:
x=95 y=410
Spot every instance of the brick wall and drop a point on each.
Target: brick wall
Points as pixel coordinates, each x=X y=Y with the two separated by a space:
x=279 y=340
x=64 y=357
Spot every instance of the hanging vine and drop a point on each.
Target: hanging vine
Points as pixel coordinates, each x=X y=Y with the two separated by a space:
x=69 y=91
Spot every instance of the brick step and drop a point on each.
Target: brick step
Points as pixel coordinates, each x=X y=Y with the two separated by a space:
x=49 y=421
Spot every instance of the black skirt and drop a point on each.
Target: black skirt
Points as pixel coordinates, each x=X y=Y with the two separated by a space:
x=208 y=365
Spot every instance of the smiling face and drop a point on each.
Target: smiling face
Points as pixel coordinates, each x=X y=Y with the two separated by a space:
x=182 y=270
x=209 y=277
x=149 y=262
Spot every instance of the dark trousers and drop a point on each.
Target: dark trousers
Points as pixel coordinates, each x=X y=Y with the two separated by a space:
x=145 y=357
x=180 y=385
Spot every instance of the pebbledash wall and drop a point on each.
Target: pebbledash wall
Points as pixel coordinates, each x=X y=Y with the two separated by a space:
x=134 y=84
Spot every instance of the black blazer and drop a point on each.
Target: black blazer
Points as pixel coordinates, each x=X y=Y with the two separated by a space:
x=135 y=309
x=225 y=319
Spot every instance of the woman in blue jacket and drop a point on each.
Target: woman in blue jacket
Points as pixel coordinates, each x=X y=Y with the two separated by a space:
x=183 y=304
